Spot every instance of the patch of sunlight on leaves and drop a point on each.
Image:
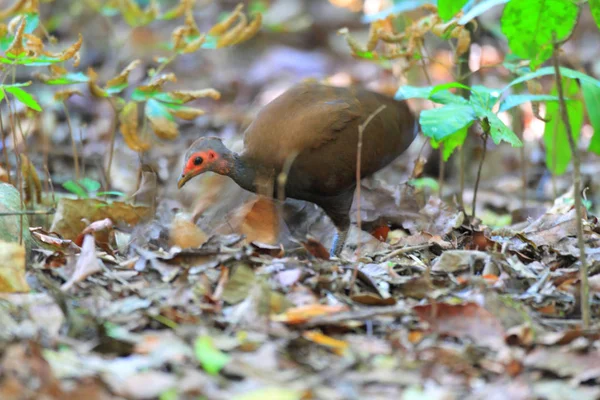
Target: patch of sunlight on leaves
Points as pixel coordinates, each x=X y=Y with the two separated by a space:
x=426 y=182
x=494 y=220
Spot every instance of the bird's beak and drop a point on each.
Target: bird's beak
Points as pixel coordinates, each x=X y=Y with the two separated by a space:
x=183 y=179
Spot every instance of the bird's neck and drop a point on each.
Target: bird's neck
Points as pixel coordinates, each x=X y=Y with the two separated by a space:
x=246 y=173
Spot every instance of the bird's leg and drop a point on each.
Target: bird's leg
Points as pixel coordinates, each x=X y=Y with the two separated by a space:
x=339 y=240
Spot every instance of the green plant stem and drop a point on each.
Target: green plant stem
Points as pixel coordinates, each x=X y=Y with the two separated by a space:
x=585 y=297
x=73 y=143
x=486 y=133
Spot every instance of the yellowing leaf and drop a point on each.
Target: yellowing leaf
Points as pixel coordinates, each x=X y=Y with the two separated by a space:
x=194 y=44
x=224 y=25
x=129 y=127
x=69 y=52
x=123 y=75
x=186 y=113
x=299 y=315
x=157 y=83
x=96 y=90
x=16 y=47
x=161 y=120
x=31 y=181
x=63 y=95
x=338 y=346
x=34 y=44
x=179 y=9
x=250 y=30
x=189 y=95
x=230 y=37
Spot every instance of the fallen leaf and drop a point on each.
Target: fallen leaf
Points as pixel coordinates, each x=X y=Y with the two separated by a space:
x=12 y=268
x=299 y=315
x=87 y=263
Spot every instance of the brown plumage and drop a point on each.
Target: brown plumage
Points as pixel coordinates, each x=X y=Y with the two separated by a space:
x=315 y=128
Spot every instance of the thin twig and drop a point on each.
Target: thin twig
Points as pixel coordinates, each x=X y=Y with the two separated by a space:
x=361 y=130
x=4 y=149
x=73 y=142
x=111 y=148
x=517 y=127
x=486 y=133
x=585 y=298
x=405 y=250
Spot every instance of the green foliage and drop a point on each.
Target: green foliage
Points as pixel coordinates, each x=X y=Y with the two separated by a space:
x=452 y=142
x=23 y=97
x=426 y=182
x=82 y=188
x=529 y=26
x=479 y=9
x=211 y=358
x=595 y=10
x=439 y=123
x=449 y=8
x=591 y=95
x=558 y=151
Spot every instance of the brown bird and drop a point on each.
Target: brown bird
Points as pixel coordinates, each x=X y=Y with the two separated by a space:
x=310 y=133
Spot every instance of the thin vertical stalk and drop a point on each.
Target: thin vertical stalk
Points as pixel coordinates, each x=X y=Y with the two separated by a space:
x=486 y=133
x=4 y=149
x=73 y=142
x=585 y=297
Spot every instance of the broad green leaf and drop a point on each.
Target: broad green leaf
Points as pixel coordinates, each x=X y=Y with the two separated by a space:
x=449 y=8
x=89 y=184
x=211 y=359
x=565 y=72
x=75 y=188
x=452 y=142
x=498 y=131
x=441 y=97
x=141 y=95
x=529 y=25
x=445 y=86
x=398 y=8
x=558 y=152
x=591 y=95
x=439 y=123
x=426 y=182
x=479 y=9
x=595 y=9
x=484 y=97
x=116 y=89
x=2 y=94
x=24 y=97
x=20 y=84
x=515 y=100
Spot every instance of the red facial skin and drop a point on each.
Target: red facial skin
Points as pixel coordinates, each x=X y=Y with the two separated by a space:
x=211 y=161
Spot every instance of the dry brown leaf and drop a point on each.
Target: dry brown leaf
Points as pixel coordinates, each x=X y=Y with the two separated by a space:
x=163 y=127
x=12 y=268
x=258 y=221
x=87 y=264
x=96 y=90
x=129 y=127
x=31 y=181
x=302 y=314
x=231 y=36
x=70 y=214
x=187 y=113
x=157 y=83
x=462 y=320
x=16 y=7
x=250 y=30
x=194 y=44
x=185 y=234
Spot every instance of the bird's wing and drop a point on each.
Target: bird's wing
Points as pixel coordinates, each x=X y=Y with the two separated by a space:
x=303 y=118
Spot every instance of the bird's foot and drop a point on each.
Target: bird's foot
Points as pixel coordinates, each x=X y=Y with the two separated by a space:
x=338 y=244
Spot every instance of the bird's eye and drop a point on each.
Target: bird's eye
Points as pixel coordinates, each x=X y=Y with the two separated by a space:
x=198 y=160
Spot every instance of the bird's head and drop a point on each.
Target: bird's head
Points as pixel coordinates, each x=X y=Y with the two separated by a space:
x=207 y=154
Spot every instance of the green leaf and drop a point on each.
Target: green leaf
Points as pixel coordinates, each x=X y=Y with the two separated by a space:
x=69 y=78
x=500 y=132
x=515 y=100
x=558 y=152
x=484 y=97
x=24 y=97
x=89 y=184
x=446 y=86
x=439 y=123
x=111 y=193
x=442 y=97
x=116 y=89
x=595 y=10
x=449 y=8
x=452 y=142
x=75 y=188
x=528 y=26
x=426 y=182
x=211 y=359
x=479 y=9
x=161 y=120
x=565 y=72
x=591 y=95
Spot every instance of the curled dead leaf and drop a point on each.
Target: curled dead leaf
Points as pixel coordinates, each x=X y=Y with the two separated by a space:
x=123 y=75
x=157 y=83
x=189 y=95
x=231 y=36
x=96 y=90
x=16 y=47
x=63 y=95
x=223 y=26
x=31 y=181
x=129 y=127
